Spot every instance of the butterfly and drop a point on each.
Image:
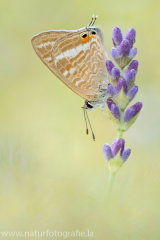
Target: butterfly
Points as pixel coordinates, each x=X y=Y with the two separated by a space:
x=77 y=58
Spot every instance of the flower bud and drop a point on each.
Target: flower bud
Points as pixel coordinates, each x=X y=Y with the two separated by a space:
x=117 y=36
x=116 y=155
x=117 y=146
x=130 y=36
x=114 y=112
x=125 y=154
x=130 y=77
x=132 y=53
x=107 y=152
x=115 y=73
x=133 y=65
x=131 y=115
x=109 y=65
x=124 y=48
x=111 y=90
x=132 y=92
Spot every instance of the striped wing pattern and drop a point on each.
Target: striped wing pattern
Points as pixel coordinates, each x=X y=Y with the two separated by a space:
x=80 y=65
x=43 y=44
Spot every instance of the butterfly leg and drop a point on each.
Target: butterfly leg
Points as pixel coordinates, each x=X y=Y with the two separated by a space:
x=104 y=109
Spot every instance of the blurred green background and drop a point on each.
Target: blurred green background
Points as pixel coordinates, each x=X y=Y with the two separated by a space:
x=52 y=175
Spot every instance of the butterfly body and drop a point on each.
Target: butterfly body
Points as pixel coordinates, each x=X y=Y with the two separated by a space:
x=77 y=58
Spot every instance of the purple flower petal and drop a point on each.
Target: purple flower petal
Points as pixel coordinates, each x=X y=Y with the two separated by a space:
x=114 y=142
x=132 y=92
x=122 y=147
x=122 y=83
x=129 y=114
x=133 y=65
x=112 y=90
x=116 y=111
x=114 y=53
x=124 y=48
x=125 y=154
x=117 y=146
x=107 y=151
x=109 y=103
x=117 y=36
x=137 y=107
x=115 y=73
x=130 y=36
x=132 y=53
x=109 y=65
x=129 y=75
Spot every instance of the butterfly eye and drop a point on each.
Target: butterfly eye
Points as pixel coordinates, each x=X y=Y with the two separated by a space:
x=93 y=33
x=89 y=105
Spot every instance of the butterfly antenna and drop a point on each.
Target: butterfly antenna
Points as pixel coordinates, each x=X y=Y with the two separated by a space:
x=85 y=120
x=90 y=24
x=94 y=20
x=90 y=127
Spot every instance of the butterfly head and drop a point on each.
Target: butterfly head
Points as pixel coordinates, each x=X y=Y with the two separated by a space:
x=90 y=31
x=88 y=105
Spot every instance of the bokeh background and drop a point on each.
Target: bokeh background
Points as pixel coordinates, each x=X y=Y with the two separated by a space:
x=52 y=175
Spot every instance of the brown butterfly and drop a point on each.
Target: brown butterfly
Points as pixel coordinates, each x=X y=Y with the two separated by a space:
x=77 y=58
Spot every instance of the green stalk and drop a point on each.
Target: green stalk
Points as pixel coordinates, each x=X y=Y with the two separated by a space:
x=120 y=131
x=120 y=134
x=110 y=183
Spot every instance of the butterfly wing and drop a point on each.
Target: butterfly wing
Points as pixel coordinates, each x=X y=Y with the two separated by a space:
x=80 y=62
x=43 y=44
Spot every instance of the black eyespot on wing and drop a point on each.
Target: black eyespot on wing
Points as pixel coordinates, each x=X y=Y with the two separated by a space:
x=84 y=35
x=93 y=33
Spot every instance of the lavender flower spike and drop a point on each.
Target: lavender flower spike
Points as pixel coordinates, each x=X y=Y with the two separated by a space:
x=122 y=89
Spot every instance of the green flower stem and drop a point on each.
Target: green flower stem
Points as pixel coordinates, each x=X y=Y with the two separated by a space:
x=120 y=131
x=110 y=182
x=122 y=71
x=120 y=134
x=113 y=174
